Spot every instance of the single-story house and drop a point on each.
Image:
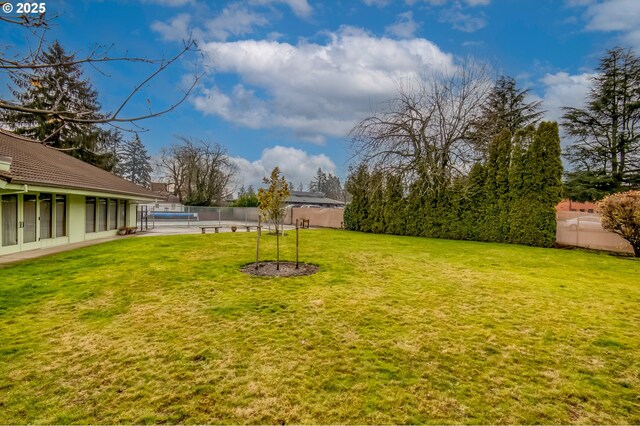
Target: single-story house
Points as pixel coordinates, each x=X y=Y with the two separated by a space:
x=316 y=199
x=48 y=198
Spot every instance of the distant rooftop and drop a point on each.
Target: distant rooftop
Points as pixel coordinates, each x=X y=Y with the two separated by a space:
x=316 y=198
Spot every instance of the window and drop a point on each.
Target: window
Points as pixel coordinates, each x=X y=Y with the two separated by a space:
x=46 y=216
x=123 y=213
x=102 y=214
x=30 y=214
x=113 y=214
x=9 y=220
x=90 y=221
x=61 y=215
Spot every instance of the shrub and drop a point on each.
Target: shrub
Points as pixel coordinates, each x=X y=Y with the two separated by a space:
x=621 y=215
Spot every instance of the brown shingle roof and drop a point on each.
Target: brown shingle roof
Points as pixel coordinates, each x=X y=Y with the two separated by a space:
x=37 y=164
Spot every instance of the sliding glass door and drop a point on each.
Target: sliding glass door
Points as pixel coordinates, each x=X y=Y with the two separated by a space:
x=30 y=218
x=9 y=220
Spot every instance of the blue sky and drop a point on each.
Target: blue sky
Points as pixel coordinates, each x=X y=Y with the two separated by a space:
x=285 y=80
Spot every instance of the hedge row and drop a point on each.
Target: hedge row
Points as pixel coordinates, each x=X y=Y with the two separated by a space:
x=510 y=197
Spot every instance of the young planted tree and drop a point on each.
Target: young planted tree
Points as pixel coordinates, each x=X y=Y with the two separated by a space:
x=621 y=215
x=271 y=203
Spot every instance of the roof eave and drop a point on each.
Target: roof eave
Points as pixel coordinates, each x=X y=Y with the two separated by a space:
x=36 y=186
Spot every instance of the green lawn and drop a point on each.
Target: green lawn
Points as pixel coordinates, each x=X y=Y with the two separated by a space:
x=391 y=330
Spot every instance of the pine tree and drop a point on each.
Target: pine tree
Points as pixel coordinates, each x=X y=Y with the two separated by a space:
x=606 y=132
x=62 y=87
x=136 y=163
x=318 y=183
x=506 y=108
x=333 y=187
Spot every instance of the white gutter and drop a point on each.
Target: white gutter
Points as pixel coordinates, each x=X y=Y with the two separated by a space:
x=5 y=185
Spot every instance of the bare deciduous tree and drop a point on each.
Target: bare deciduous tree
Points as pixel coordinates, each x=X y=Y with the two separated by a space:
x=199 y=172
x=422 y=133
x=23 y=64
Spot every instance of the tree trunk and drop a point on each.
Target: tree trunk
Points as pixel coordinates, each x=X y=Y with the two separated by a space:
x=636 y=249
x=277 y=248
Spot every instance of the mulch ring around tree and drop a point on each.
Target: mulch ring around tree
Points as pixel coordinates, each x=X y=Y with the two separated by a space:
x=287 y=269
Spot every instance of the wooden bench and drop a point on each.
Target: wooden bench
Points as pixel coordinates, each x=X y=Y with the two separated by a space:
x=215 y=228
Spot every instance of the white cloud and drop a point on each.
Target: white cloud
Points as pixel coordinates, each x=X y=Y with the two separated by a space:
x=315 y=90
x=471 y=3
x=573 y=3
x=177 y=29
x=295 y=164
x=300 y=8
x=377 y=3
x=462 y=21
x=613 y=15
x=564 y=90
x=234 y=20
x=404 y=27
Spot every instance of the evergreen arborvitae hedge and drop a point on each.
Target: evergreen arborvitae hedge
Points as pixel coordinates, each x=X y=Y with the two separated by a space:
x=511 y=198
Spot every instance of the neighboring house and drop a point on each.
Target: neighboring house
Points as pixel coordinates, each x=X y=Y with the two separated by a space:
x=315 y=199
x=49 y=198
x=165 y=200
x=575 y=206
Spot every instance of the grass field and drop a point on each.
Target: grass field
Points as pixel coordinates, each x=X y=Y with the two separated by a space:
x=391 y=330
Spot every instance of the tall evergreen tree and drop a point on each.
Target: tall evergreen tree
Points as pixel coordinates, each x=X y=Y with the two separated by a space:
x=318 y=182
x=507 y=107
x=356 y=213
x=606 y=133
x=376 y=218
x=394 y=206
x=328 y=184
x=536 y=186
x=473 y=203
x=61 y=88
x=497 y=188
x=136 y=163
